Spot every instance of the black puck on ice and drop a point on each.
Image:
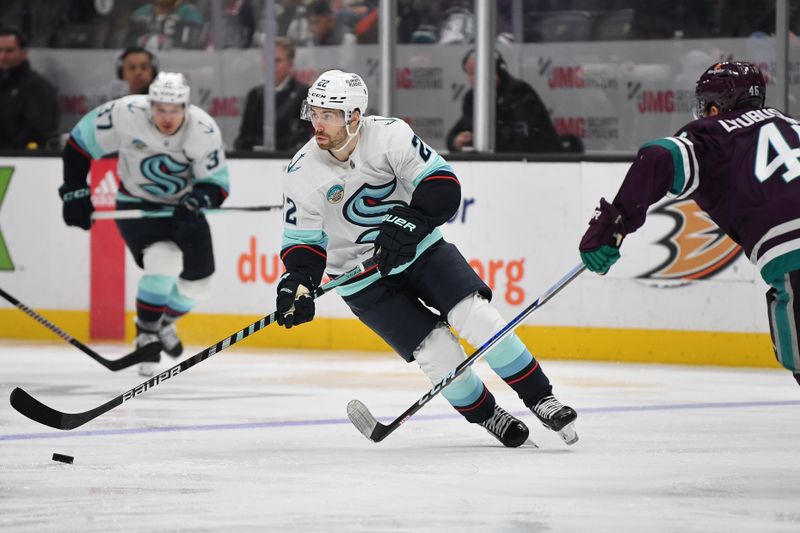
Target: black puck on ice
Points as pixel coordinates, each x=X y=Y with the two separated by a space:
x=63 y=458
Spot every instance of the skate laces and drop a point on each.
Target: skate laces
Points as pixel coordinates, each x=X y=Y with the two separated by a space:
x=169 y=336
x=499 y=421
x=547 y=407
x=144 y=338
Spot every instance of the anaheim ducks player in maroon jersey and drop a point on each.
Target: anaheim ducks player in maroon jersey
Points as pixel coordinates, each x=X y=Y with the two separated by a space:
x=739 y=161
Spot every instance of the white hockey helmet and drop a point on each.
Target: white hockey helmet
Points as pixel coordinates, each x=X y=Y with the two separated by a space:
x=169 y=88
x=335 y=89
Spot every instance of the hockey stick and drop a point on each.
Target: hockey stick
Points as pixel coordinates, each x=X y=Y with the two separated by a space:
x=167 y=212
x=39 y=412
x=367 y=424
x=145 y=353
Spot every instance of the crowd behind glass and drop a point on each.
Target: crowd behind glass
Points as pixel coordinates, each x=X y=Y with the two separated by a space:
x=158 y=26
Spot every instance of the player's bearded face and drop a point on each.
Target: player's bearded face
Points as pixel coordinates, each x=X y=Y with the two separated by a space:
x=168 y=118
x=329 y=131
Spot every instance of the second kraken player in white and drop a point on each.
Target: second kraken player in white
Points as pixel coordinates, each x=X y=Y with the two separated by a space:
x=170 y=154
x=367 y=185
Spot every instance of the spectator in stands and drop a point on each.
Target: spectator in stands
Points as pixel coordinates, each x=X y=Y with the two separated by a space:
x=239 y=22
x=673 y=19
x=414 y=22
x=37 y=20
x=291 y=132
x=137 y=67
x=326 y=29
x=522 y=121
x=28 y=102
x=362 y=17
x=292 y=22
x=165 y=24
x=458 y=25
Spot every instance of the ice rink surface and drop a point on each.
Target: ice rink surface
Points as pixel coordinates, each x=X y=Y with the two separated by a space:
x=259 y=441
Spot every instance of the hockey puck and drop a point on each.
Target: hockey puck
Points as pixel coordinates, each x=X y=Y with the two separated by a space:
x=63 y=458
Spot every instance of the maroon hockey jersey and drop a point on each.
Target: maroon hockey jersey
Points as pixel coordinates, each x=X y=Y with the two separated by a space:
x=742 y=168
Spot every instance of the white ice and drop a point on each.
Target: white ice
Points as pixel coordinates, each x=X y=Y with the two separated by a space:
x=259 y=441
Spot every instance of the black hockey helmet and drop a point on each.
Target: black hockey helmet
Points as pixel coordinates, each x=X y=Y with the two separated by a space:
x=730 y=85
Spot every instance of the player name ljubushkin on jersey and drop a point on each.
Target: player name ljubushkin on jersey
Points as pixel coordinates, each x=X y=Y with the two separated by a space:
x=771 y=235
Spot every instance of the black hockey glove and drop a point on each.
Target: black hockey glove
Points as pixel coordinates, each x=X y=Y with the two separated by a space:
x=78 y=208
x=200 y=197
x=188 y=215
x=600 y=244
x=295 y=304
x=401 y=231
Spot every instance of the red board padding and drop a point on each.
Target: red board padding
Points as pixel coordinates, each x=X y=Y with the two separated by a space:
x=107 y=252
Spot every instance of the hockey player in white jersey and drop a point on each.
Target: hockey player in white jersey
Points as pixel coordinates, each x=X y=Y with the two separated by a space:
x=368 y=185
x=170 y=155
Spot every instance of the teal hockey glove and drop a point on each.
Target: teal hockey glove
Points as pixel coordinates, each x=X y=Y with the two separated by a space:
x=599 y=247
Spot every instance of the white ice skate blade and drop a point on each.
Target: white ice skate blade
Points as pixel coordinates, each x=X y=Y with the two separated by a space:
x=530 y=443
x=568 y=434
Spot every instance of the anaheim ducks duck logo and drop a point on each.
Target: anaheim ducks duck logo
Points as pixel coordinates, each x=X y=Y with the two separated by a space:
x=698 y=249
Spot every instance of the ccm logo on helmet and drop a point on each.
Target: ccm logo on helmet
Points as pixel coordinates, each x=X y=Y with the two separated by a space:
x=397 y=221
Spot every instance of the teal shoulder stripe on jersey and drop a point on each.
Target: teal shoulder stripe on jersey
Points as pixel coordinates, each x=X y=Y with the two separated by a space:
x=426 y=243
x=219 y=177
x=83 y=133
x=776 y=268
x=678 y=161
x=438 y=163
x=315 y=237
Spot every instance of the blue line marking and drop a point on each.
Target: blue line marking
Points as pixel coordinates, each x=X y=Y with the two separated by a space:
x=345 y=421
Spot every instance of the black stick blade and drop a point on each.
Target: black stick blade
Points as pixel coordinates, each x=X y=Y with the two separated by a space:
x=32 y=408
x=29 y=406
x=148 y=352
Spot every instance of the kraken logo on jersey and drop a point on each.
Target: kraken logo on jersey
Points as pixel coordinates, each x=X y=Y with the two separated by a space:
x=698 y=249
x=164 y=172
x=366 y=208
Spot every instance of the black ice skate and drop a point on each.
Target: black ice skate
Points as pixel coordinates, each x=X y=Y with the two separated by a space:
x=505 y=428
x=558 y=417
x=170 y=341
x=144 y=337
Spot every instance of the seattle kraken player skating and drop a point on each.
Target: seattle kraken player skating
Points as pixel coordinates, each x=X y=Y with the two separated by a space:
x=740 y=162
x=369 y=185
x=170 y=154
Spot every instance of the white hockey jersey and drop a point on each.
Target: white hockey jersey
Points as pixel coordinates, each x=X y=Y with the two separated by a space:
x=154 y=167
x=338 y=205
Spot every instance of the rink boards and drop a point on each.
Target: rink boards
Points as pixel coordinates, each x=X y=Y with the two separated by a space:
x=681 y=292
